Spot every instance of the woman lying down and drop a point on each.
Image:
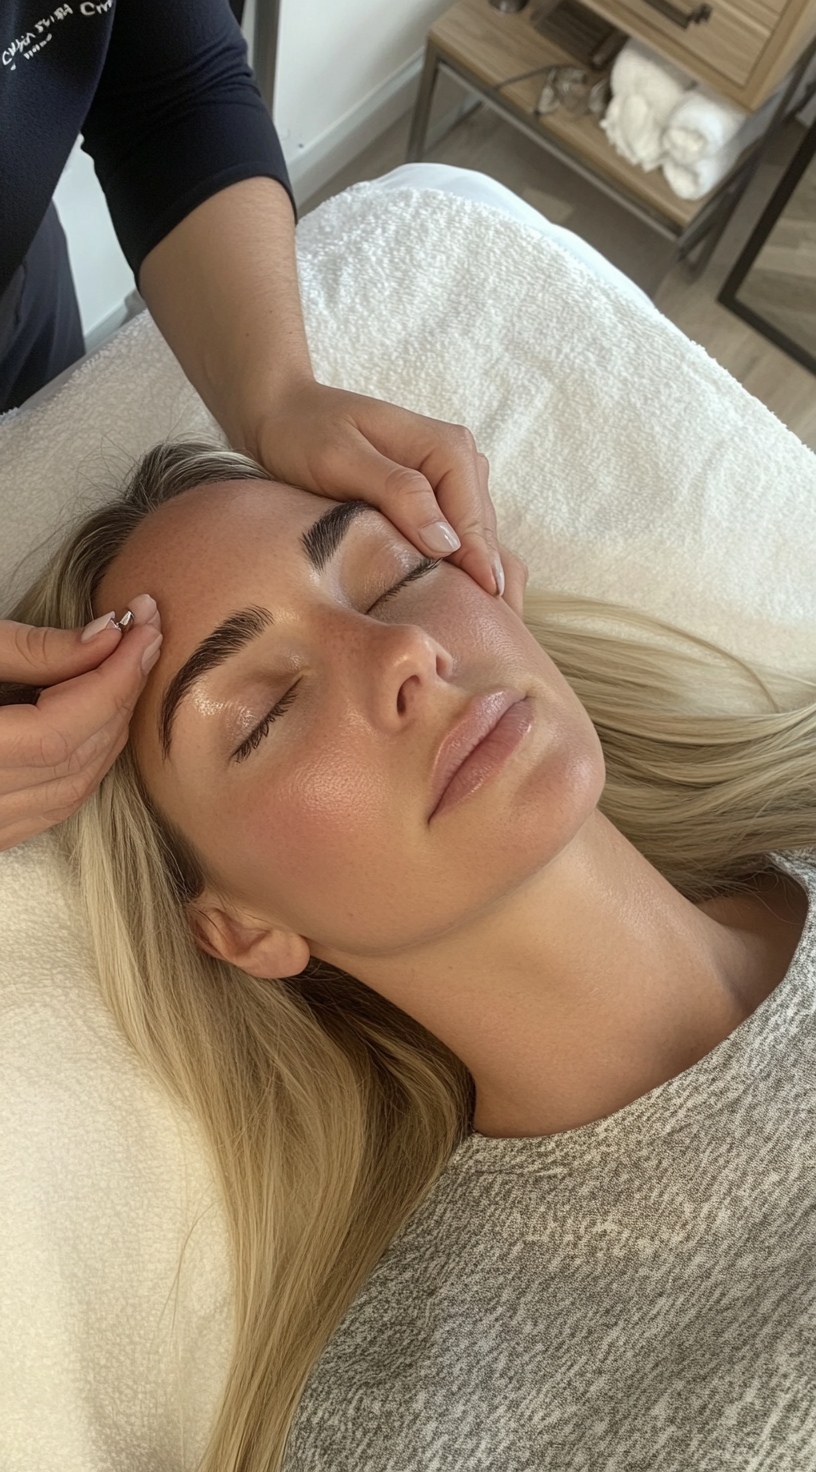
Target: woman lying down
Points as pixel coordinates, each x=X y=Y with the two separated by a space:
x=471 y=949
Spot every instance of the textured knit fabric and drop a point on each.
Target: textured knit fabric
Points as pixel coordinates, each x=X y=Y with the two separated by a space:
x=162 y=94
x=636 y=1295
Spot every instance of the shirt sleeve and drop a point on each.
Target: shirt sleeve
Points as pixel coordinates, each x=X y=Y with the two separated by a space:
x=177 y=116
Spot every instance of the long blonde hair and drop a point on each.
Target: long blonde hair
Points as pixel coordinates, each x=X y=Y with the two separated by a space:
x=329 y=1113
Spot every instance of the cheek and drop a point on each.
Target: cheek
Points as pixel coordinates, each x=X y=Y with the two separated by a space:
x=312 y=845
x=465 y=619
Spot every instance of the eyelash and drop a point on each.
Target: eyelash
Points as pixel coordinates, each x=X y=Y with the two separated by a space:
x=255 y=737
x=261 y=731
x=427 y=564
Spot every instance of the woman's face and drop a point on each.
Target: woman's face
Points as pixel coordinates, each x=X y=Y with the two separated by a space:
x=364 y=748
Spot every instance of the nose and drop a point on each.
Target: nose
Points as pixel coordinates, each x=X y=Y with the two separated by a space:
x=399 y=670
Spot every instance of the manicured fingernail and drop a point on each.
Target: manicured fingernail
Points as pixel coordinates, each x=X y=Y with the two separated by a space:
x=498 y=573
x=439 y=537
x=151 y=654
x=144 y=610
x=107 y=621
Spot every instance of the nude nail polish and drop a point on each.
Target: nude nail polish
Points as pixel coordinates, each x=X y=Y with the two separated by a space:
x=440 y=538
x=151 y=654
x=107 y=621
x=144 y=610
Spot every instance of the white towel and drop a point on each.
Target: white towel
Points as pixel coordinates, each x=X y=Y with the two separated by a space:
x=115 y=1301
x=693 y=181
x=704 y=137
x=702 y=124
x=645 y=91
x=625 y=463
x=633 y=129
x=637 y=68
x=606 y=428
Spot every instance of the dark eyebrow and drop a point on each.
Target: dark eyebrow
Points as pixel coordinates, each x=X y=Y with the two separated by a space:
x=227 y=639
x=320 y=543
x=322 y=539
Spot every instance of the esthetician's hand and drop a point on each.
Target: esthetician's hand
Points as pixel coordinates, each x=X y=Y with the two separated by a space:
x=222 y=287
x=54 y=754
x=425 y=475
x=515 y=580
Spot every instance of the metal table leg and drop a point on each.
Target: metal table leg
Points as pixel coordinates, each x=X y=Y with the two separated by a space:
x=422 y=107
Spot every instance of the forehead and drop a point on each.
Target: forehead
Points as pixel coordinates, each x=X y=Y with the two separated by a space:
x=216 y=532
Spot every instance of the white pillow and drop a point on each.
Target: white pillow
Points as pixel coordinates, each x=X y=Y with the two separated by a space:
x=625 y=464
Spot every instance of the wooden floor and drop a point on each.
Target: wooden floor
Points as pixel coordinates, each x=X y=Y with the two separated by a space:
x=485 y=142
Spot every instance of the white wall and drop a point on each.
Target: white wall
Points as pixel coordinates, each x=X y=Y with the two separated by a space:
x=102 y=275
x=345 y=71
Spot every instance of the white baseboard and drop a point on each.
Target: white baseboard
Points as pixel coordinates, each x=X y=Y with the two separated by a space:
x=312 y=166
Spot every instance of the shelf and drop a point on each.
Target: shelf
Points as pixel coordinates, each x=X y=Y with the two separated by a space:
x=492 y=46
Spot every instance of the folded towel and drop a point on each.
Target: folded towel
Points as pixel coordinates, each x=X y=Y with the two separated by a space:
x=634 y=130
x=705 y=136
x=645 y=91
x=692 y=181
x=637 y=68
x=701 y=124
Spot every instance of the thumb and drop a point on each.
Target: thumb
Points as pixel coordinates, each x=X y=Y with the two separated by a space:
x=405 y=496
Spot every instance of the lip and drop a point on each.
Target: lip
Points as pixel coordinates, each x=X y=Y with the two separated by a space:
x=462 y=743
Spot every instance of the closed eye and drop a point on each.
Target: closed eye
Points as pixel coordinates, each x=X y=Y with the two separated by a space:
x=426 y=565
x=254 y=739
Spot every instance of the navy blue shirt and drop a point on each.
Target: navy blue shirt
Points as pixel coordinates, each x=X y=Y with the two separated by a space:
x=162 y=94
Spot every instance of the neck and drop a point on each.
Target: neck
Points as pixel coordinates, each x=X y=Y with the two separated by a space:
x=584 y=989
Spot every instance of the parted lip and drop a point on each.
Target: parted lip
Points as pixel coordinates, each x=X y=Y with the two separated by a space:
x=481 y=716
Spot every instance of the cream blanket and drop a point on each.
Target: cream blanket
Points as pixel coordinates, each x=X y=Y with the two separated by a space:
x=625 y=463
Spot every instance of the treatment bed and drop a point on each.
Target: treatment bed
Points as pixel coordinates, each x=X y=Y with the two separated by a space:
x=625 y=465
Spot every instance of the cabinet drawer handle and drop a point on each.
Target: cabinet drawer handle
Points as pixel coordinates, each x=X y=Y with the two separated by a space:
x=682 y=18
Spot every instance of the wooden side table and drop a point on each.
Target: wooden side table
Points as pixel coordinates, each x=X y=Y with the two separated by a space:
x=487 y=52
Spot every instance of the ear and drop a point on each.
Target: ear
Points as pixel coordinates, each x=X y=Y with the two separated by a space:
x=261 y=949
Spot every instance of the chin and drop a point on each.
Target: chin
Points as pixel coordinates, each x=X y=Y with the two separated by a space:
x=529 y=823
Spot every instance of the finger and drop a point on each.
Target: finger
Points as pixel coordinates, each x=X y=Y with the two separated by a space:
x=516 y=574
x=41 y=656
x=447 y=457
x=29 y=747
x=480 y=543
x=77 y=722
x=403 y=494
x=25 y=813
x=44 y=656
x=408 y=495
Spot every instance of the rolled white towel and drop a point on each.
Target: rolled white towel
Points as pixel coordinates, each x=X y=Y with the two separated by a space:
x=645 y=91
x=692 y=181
x=701 y=124
x=636 y=68
x=634 y=130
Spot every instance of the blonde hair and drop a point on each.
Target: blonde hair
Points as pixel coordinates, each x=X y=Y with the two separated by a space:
x=330 y=1113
